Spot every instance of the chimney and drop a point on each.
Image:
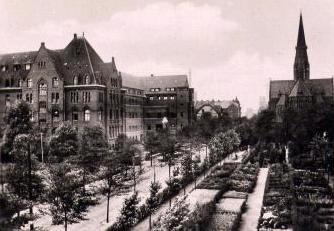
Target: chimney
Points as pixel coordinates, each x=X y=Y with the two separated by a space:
x=75 y=36
x=42 y=44
x=152 y=75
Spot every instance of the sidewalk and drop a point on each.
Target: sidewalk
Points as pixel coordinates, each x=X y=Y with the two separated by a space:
x=144 y=225
x=249 y=220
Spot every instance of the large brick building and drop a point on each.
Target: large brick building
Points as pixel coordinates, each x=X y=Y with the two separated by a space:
x=74 y=84
x=301 y=92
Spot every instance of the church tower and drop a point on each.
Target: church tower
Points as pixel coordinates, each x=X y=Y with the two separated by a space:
x=301 y=67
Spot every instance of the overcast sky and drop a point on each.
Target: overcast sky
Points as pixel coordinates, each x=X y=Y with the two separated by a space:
x=233 y=48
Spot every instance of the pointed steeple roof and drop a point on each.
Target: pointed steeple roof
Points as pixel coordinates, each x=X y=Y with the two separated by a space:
x=301 y=43
x=301 y=67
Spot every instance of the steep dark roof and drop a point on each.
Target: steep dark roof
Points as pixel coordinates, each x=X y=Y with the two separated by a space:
x=301 y=35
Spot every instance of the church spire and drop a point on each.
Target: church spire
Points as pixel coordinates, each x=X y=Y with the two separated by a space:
x=301 y=66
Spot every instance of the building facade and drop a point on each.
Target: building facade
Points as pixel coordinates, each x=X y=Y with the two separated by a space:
x=75 y=85
x=301 y=92
x=218 y=107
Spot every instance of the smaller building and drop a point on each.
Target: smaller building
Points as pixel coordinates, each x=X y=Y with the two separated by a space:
x=218 y=107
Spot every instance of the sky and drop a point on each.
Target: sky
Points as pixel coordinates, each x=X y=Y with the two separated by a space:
x=229 y=48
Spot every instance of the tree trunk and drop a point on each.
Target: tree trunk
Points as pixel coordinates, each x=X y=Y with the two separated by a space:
x=150 y=221
x=151 y=158
x=65 y=221
x=30 y=184
x=84 y=181
x=108 y=206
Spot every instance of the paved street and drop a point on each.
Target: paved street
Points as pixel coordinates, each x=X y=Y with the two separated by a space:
x=249 y=219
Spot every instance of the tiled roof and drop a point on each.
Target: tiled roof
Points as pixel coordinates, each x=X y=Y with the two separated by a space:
x=21 y=57
x=166 y=81
x=315 y=86
x=132 y=81
x=280 y=87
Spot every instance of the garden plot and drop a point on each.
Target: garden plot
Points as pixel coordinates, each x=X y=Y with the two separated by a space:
x=276 y=210
x=313 y=201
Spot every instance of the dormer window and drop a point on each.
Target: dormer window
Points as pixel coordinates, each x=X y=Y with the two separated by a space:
x=55 y=81
x=27 y=66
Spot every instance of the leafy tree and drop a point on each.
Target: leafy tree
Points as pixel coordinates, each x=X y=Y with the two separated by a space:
x=151 y=143
x=186 y=168
x=64 y=195
x=153 y=201
x=126 y=151
x=63 y=144
x=93 y=147
x=129 y=213
x=167 y=146
x=224 y=143
x=24 y=182
x=18 y=122
x=111 y=169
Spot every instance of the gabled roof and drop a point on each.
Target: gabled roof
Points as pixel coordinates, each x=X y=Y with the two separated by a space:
x=300 y=89
x=281 y=101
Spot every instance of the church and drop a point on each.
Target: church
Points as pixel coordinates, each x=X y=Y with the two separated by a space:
x=301 y=92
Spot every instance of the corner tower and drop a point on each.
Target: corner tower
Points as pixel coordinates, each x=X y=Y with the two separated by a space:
x=301 y=67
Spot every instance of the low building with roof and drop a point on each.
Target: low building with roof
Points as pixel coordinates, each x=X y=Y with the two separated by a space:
x=301 y=92
x=218 y=107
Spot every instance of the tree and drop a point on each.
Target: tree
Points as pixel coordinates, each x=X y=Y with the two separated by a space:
x=129 y=213
x=23 y=178
x=153 y=201
x=167 y=146
x=63 y=144
x=111 y=169
x=224 y=143
x=64 y=195
x=151 y=143
x=186 y=168
x=93 y=147
x=126 y=151
x=18 y=122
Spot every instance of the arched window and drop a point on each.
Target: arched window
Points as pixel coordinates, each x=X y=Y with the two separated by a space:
x=87 y=79
x=29 y=83
x=75 y=80
x=55 y=81
x=55 y=115
x=99 y=115
x=42 y=88
x=87 y=115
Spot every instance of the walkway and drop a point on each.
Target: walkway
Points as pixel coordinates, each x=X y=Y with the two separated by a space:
x=144 y=225
x=249 y=219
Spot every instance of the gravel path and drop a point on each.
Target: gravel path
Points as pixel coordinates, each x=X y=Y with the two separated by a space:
x=249 y=219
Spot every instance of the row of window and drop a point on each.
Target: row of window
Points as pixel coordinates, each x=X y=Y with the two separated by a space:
x=16 y=67
x=114 y=131
x=134 y=91
x=159 y=89
x=161 y=98
x=134 y=115
x=135 y=127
